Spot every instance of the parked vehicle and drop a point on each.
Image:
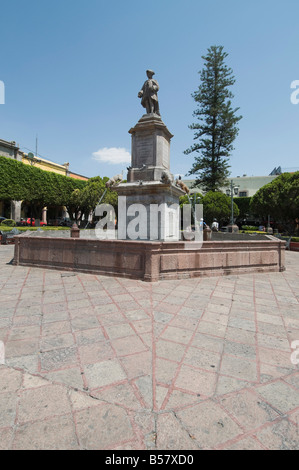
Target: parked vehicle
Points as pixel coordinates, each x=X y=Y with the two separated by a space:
x=60 y=222
x=27 y=222
x=65 y=222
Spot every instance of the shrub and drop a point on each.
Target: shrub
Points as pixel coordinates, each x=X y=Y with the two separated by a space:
x=243 y=204
x=249 y=227
x=9 y=223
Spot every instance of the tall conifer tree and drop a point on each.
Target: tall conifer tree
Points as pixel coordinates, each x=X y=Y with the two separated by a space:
x=217 y=127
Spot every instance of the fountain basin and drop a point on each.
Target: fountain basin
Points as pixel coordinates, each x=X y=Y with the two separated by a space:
x=151 y=260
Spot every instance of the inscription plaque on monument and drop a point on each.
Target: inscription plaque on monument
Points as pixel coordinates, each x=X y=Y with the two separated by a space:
x=150 y=149
x=143 y=151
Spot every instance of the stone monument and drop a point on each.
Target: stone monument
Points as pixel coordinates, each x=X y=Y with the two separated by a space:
x=149 y=256
x=149 y=181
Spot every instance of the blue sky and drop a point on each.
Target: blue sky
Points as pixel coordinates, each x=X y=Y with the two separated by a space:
x=72 y=71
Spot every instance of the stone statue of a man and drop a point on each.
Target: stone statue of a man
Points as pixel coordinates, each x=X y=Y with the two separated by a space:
x=148 y=94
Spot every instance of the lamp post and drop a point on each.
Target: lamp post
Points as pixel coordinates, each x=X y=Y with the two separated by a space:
x=233 y=190
x=33 y=160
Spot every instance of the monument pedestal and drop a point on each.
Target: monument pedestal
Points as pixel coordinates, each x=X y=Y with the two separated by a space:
x=157 y=215
x=150 y=149
x=149 y=184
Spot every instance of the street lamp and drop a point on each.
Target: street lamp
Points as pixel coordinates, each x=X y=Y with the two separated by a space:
x=33 y=160
x=233 y=190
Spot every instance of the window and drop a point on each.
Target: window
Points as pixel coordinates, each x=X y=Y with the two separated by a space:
x=243 y=193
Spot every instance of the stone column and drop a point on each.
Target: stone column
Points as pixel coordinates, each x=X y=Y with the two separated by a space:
x=15 y=210
x=44 y=215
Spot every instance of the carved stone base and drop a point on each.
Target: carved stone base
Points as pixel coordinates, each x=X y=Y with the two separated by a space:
x=149 y=194
x=150 y=149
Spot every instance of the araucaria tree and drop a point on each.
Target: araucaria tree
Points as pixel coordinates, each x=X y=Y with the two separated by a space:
x=217 y=127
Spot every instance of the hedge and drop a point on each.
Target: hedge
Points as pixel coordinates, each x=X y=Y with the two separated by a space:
x=9 y=222
x=249 y=227
x=19 y=181
x=243 y=204
x=6 y=228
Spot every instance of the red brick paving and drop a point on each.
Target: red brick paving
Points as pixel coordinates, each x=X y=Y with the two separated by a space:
x=94 y=362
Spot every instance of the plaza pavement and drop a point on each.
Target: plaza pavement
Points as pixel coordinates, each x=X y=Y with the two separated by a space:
x=93 y=362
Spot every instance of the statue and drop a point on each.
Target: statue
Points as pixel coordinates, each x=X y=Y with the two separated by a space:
x=166 y=177
x=113 y=181
x=148 y=94
x=182 y=185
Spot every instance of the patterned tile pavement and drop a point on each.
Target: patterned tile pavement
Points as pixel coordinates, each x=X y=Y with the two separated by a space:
x=93 y=362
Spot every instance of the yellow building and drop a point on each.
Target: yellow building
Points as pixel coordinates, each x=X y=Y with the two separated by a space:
x=43 y=164
x=47 y=165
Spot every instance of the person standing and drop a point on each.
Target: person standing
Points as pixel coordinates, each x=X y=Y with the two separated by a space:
x=215 y=226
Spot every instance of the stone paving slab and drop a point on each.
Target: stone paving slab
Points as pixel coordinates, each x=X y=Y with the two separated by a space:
x=107 y=363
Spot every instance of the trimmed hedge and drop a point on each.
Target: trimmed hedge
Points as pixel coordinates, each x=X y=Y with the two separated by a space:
x=23 y=182
x=6 y=228
x=251 y=228
x=9 y=222
x=254 y=231
x=243 y=204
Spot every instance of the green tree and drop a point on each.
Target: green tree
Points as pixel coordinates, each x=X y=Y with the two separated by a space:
x=217 y=127
x=279 y=199
x=194 y=198
x=84 y=201
x=243 y=204
x=217 y=205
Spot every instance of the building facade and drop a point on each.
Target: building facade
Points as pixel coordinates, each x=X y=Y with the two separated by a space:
x=246 y=186
x=10 y=150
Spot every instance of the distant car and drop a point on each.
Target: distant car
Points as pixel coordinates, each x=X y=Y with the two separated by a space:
x=27 y=222
x=60 y=222
x=65 y=222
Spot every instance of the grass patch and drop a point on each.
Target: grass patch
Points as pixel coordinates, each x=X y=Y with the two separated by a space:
x=254 y=231
x=5 y=228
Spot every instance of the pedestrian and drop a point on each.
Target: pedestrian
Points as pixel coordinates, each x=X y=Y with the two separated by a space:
x=215 y=226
